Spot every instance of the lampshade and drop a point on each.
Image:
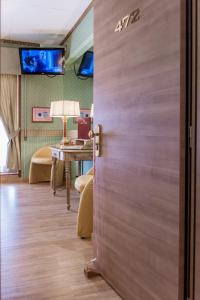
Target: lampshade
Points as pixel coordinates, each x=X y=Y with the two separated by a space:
x=65 y=108
x=92 y=111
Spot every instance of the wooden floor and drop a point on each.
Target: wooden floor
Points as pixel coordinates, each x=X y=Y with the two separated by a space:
x=42 y=258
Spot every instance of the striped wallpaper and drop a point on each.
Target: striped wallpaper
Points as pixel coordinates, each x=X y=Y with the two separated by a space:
x=40 y=91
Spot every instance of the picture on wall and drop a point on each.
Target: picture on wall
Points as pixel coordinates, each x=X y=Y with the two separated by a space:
x=84 y=113
x=41 y=114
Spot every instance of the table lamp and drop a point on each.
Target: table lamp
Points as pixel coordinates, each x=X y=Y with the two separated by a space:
x=65 y=109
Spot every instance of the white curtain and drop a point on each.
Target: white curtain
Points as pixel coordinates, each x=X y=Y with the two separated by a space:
x=9 y=115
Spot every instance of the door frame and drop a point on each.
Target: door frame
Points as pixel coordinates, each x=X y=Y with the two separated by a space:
x=191 y=139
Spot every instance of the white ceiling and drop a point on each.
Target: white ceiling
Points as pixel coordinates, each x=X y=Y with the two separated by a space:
x=42 y=21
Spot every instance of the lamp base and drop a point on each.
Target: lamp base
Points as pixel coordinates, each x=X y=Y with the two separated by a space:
x=65 y=141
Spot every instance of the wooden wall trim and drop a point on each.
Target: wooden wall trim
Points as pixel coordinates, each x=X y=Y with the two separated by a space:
x=77 y=23
x=47 y=133
x=5 y=42
x=12 y=178
x=40 y=132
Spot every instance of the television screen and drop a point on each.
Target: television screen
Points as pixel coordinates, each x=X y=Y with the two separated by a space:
x=86 y=68
x=42 y=60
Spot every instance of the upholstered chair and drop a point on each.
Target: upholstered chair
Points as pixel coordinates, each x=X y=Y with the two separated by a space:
x=85 y=211
x=40 y=167
x=84 y=185
x=82 y=180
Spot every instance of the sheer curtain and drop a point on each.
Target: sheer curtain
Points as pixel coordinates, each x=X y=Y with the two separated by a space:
x=3 y=148
x=9 y=116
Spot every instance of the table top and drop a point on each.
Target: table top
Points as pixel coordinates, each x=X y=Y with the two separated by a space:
x=71 y=149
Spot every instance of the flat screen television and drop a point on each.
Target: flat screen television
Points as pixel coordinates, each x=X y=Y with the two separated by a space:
x=86 y=68
x=42 y=61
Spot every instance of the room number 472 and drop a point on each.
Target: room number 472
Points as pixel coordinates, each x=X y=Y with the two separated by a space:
x=129 y=19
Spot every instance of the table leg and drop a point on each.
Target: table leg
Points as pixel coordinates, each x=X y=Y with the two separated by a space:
x=79 y=168
x=54 y=175
x=68 y=181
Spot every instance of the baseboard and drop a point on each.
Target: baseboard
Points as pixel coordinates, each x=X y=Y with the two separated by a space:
x=12 y=178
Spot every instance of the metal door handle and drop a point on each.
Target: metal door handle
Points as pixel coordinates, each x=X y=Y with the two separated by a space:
x=96 y=134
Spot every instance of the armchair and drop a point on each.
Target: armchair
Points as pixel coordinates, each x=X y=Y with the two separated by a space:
x=84 y=185
x=85 y=211
x=82 y=180
x=40 y=167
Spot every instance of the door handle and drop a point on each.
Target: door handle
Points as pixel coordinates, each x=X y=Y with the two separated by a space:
x=96 y=135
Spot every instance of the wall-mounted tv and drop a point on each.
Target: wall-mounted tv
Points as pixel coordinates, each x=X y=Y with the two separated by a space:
x=42 y=61
x=86 y=68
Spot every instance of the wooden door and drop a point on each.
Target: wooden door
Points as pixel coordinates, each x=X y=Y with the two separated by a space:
x=138 y=99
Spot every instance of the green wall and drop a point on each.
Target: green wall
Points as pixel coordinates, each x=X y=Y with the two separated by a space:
x=81 y=90
x=74 y=88
x=38 y=91
x=81 y=39
x=41 y=90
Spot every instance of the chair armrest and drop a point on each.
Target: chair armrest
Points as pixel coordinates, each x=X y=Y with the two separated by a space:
x=90 y=172
x=81 y=182
x=85 y=211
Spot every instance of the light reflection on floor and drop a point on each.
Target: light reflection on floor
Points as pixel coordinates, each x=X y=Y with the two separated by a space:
x=8 y=212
